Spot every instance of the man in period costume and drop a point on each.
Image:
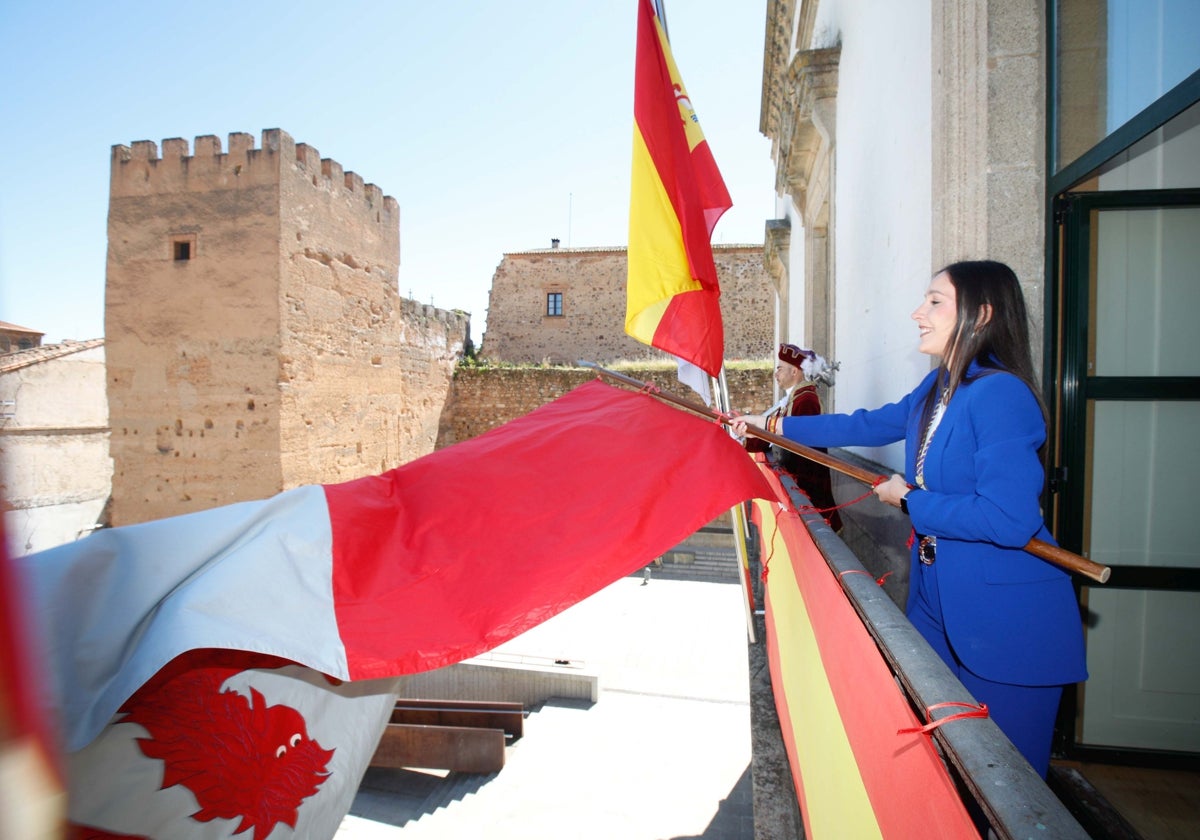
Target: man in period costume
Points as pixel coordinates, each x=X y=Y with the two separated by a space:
x=797 y=374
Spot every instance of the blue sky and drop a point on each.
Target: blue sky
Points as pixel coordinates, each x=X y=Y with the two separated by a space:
x=496 y=124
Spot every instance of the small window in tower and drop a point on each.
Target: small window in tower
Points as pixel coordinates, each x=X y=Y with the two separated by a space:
x=183 y=247
x=554 y=304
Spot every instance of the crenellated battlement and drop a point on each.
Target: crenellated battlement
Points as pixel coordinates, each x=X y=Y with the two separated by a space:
x=317 y=168
x=139 y=169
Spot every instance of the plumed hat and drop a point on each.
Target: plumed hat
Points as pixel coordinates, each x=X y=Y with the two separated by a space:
x=792 y=354
x=814 y=366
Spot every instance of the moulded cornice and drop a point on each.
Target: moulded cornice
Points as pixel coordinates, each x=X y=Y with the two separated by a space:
x=777 y=49
x=805 y=119
x=776 y=246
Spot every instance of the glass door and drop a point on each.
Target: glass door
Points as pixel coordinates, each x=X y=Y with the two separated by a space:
x=1126 y=406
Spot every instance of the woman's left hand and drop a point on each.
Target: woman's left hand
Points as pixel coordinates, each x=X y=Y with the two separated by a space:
x=890 y=492
x=740 y=423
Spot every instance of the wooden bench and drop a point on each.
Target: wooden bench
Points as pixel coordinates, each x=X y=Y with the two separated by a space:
x=462 y=735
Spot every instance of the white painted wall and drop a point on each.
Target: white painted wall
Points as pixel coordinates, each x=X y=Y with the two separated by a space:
x=55 y=470
x=883 y=204
x=785 y=208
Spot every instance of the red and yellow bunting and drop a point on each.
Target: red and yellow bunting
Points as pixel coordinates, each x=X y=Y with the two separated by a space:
x=840 y=709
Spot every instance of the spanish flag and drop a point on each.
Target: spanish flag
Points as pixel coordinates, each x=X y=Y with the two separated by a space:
x=677 y=196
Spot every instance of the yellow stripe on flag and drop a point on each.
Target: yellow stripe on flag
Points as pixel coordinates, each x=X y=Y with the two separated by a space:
x=656 y=254
x=833 y=795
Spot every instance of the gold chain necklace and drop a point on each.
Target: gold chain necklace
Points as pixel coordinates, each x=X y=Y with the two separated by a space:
x=934 y=419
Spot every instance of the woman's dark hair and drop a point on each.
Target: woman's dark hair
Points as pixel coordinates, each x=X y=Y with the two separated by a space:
x=996 y=342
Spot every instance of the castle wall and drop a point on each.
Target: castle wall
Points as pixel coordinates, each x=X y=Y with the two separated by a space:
x=483 y=398
x=256 y=338
x=363 y=372
x=592 y=282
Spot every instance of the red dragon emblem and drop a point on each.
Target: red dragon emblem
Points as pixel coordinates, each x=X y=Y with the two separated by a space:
x=241 y=758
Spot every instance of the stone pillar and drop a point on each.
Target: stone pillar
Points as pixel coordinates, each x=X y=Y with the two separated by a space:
x=776 y=255
x=989 y=124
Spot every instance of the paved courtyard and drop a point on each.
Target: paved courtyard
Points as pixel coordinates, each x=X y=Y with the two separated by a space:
x=663 y=754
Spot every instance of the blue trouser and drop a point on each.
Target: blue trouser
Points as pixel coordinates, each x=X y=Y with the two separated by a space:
x=1024 y=713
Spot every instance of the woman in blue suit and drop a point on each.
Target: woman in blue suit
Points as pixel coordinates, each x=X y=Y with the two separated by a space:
x=1006 y=622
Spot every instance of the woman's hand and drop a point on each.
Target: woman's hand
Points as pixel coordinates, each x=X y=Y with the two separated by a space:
x=739 y=424
x=890 y=492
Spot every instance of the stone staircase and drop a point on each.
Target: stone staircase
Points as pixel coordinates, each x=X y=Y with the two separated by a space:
x=428 y=803
x=402 y=797
x=709 y=555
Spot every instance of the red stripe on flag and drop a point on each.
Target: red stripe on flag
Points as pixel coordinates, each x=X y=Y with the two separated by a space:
x=690 y=176
x=692 y=319
x=459 y=551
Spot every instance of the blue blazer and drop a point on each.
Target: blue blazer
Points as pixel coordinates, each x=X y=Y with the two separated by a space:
x=1010 y=617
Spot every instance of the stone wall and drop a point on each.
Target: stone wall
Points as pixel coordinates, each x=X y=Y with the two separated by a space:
x=592 y=282
x=256 y=337
x=483 y=398
x=53 y=444
x=363 y=372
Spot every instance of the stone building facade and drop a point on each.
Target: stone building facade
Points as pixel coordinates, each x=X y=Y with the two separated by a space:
x=256 y=337
x=559 y=305
x=55 y=471
x=1064 y=140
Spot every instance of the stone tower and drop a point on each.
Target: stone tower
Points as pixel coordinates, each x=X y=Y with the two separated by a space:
x=256 y=340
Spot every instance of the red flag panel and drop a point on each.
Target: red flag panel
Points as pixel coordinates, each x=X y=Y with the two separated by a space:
x=452 y=554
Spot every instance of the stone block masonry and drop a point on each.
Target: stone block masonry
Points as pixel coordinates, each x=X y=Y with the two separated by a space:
x=559 y=305
x=256 y=339
x=484 y=398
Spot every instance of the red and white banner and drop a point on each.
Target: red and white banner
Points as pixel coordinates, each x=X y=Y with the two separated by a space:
x=420 y=567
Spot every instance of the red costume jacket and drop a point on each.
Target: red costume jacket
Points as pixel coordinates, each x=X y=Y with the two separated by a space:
x=810 y=476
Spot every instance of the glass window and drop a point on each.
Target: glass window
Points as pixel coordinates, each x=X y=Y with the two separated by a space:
x=1166 y=158
x=1141 y=486
x=554 y=304
x=1147 y=294
x=1114 y=59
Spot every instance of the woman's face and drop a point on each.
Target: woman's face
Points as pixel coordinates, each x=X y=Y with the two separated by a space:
x=937 y=316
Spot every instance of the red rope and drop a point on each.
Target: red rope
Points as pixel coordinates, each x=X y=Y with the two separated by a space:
x=878 y=580
x=814 y=509
x=766 y=565
x=975 y=711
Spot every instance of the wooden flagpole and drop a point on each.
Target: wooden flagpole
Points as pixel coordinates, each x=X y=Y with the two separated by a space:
x=1039 y=548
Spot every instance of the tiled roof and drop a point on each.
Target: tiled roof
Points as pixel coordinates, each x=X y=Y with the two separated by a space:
x=7 y=327
x=24 y=358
